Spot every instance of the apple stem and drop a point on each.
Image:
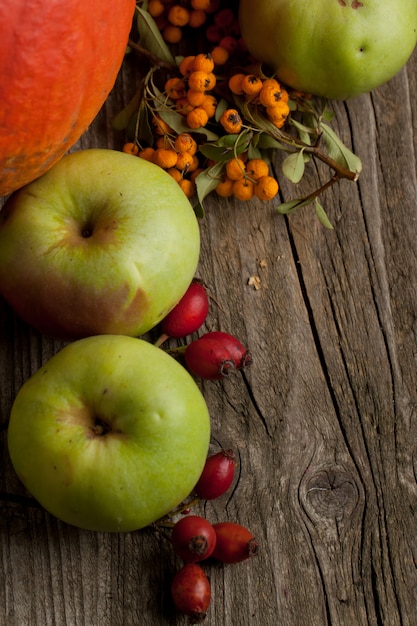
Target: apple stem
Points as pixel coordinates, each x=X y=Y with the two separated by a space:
x=161 y=339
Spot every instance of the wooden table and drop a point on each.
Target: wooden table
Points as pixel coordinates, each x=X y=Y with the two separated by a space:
x=325 y=426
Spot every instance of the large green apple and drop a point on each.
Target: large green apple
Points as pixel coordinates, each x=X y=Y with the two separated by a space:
x=110 y=434
x=104 y=242
x=331 y=48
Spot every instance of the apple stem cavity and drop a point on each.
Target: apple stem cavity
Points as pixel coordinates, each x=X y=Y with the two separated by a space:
x=100 y=427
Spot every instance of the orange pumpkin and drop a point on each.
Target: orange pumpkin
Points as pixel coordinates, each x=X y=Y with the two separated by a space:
x=59 y=59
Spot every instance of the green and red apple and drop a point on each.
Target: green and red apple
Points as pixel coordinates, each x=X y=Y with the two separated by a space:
x=103 y=243
x=331 y=48
x=110 y=434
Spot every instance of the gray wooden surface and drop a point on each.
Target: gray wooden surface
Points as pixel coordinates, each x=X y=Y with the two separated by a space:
x=325 y=425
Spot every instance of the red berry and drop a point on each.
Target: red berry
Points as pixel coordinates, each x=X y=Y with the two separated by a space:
x=239 y=354
x=193 y=538
x=189 y=314
x=217 y=475
x=208 y=358
x=191 y=592
x=234 y=543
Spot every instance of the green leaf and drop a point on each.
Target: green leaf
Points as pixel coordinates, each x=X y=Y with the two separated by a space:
x=337 y=150
x=151 y=38
x=293 y=166
x=121 y=120
x=178 y=122
x=286 y=208
x=215 y=152
x=208 y=180
x=221 y=107
x=265 y=141
x=254 y=152
x=321 y=214
x=142 y=130
x=199 y=210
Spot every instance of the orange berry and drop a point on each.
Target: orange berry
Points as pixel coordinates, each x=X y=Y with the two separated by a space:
x=156 y=8
x=183 y=106
x=243 y=189
x=197 y=118
x=176 y=174
x=220 y=55
x=256 y=168
x=212 y=80
x=195 y=163
x=197 y=18
x=187 y=186
x=184 y=161
x=225 y=188
x=147 y=153
x=209 y=105
x=199 y=80
x=204 y=63
x=165 y=158
x=131 y=148
x=270 y=94
x=162 y=142
x=195 y=98
x=195 y=173
x=278 y=113
x=178 y=15
x=160 y=126
x=200 y=5
x=231 y=121
x=184 y=142
x=175 y=88
x=172 y=34
x=186 y=65
x=251 y=84
x=266 y=188
x=235 y=84
x=229 y=43
x=235 y=168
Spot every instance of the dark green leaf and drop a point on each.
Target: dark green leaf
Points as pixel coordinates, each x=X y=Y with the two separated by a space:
x=121 y=120
x=221 y=107
x=151 y=38
x=215 y=153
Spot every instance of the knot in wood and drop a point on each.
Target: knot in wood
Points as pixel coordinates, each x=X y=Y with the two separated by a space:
x=331 y=492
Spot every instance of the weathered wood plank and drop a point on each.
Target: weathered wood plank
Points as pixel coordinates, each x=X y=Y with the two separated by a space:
x=324 y=425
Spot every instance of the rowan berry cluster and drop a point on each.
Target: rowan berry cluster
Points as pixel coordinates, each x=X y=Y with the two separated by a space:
x=202 y=89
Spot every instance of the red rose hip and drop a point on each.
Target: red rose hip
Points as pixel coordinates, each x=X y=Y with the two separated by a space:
x=193 y=538
x=191 y=592
x=208 y=359
x=234 y=543
x=217 y=475
x=189 y=314
x=238 y=353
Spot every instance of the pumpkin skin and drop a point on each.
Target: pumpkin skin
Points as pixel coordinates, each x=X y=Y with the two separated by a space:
x=59 y=59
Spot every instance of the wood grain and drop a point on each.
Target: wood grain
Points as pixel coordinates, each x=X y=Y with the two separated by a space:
x=324 y=422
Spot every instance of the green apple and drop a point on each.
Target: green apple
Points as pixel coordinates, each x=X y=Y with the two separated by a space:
x=110 y=434
x=103 y=243
x=332 y=48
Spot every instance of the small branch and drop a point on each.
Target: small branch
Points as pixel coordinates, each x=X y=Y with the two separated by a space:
x=154 y=60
